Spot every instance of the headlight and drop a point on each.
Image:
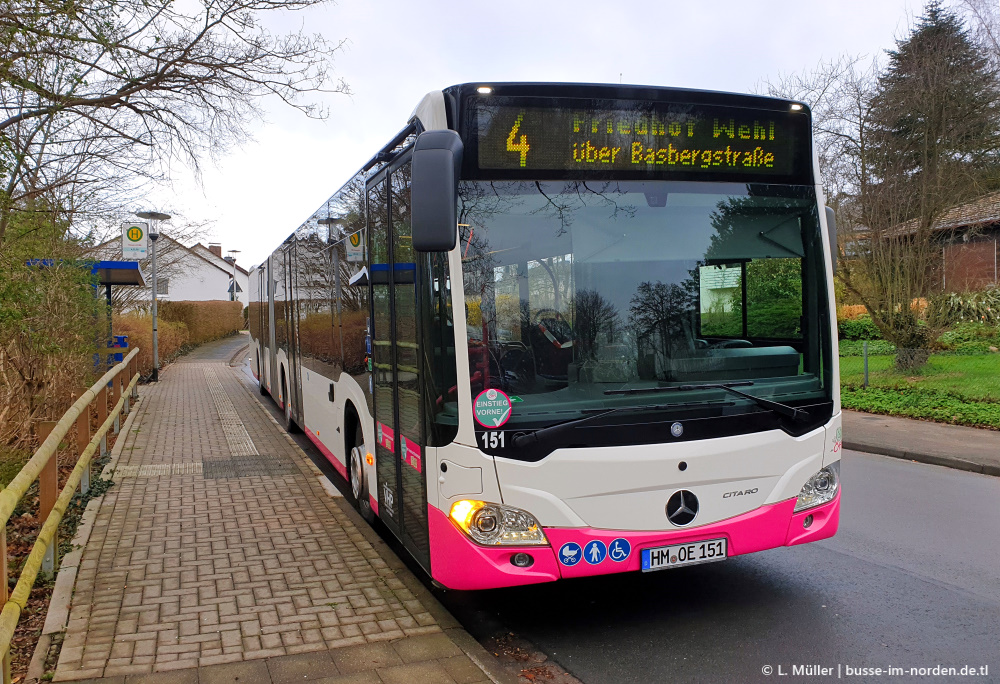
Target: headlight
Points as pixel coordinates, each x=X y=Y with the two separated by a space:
x=820 y=489
x=493 y=524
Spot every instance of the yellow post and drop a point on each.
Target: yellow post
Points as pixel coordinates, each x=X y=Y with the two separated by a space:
x=48 y=492
x=4 y=594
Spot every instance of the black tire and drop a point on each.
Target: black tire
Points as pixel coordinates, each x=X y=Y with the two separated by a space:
x=357 y=484
x=260 y=377
x=289 y=421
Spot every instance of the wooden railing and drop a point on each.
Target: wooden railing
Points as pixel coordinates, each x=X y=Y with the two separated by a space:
x=121 y=382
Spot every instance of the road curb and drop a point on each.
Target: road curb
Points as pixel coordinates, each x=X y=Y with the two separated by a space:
x=239 y=353
x=931 y=459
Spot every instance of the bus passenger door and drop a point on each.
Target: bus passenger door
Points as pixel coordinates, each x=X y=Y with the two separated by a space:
x=292 y=326
x=396 y=366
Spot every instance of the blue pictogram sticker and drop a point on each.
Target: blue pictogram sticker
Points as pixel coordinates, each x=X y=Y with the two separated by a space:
x=570 y=554
x=595 y=551
x=619 y=550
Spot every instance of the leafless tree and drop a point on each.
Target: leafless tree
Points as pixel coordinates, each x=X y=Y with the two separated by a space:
x=123 y=83
x=839 y=93
x=900 y=144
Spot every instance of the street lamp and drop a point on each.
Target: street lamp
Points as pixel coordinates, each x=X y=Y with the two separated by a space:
x=234 y=251
x=154 y=234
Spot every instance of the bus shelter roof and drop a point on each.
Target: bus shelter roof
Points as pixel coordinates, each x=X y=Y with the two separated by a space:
x=119 y=273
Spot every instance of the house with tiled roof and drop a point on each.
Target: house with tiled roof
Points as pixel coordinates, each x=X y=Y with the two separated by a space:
x=969 y=237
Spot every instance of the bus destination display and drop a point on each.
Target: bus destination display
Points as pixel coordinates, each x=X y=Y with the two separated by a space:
x=669 y=138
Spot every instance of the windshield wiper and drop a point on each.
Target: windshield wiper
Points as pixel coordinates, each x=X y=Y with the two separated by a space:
x=549 y=433
x=783 y=409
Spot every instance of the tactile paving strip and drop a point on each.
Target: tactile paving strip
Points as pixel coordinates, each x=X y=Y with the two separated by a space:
x=245 y=461
x=236 y=434
x=158 y=470
x=245 y=466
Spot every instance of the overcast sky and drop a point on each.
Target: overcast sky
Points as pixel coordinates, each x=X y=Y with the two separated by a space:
x=399 y=50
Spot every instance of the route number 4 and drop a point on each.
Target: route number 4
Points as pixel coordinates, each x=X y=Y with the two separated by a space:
x=515 y=144
x=492 y=440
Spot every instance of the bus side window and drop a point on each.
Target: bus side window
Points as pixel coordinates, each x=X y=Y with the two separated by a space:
x=438 y=338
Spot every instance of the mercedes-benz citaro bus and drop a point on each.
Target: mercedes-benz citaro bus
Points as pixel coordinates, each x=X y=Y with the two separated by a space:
x=557 y=330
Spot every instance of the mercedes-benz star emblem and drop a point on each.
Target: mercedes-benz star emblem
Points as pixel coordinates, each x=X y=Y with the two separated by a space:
x=677 y=429
x=682 y=508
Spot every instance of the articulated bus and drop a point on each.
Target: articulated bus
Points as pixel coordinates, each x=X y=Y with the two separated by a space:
x=556 y=330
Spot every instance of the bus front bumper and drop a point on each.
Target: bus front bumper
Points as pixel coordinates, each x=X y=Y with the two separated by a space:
x=458 y=563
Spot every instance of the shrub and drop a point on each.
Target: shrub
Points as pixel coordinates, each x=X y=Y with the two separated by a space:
x=170 y=337
x=967 y=332
x=875 y=348
x=849 y=312
x=974 y=348
x=928 y=404
x=50 y=324
x=948 y=309
x=205 y=321
x=861 y=328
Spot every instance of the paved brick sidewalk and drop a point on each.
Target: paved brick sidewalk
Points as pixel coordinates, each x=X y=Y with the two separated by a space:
x=218 y=545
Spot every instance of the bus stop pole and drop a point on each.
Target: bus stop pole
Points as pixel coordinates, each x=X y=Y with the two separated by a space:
x=156 y=357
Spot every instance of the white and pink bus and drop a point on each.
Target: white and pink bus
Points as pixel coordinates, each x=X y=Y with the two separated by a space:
x=556 y=330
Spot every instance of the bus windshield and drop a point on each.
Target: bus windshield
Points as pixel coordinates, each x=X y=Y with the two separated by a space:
x=577 y=290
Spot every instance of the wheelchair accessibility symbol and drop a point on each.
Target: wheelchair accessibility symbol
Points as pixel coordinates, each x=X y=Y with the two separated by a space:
x=619 y=550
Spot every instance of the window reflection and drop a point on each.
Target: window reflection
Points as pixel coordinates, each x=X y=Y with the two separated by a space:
x=574 y=288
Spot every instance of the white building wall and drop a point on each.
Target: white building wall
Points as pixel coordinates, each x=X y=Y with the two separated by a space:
x=193 y=279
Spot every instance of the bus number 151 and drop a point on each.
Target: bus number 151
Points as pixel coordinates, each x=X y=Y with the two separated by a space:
x=492 y=440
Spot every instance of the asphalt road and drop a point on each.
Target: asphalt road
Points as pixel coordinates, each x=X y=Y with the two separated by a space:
x=912 y=579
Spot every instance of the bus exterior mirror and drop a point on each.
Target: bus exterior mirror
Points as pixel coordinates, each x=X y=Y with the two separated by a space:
x=831 y=226
x=437 y=158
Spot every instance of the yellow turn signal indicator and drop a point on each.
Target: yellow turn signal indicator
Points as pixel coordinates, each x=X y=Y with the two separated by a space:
x=461 y=512
x=493 y=524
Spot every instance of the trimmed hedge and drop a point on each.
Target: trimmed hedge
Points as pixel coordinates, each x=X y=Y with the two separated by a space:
x=205 y=321
x=170 y=337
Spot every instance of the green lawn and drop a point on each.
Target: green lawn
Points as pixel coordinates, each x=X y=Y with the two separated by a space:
x=949 y=388
x=976 y=377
